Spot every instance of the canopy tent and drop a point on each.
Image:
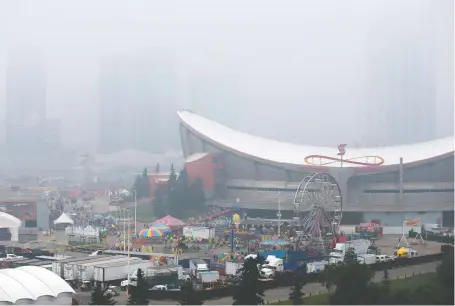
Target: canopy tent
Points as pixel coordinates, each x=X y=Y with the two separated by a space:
x=63 y=219
x=151 y=232
x=170 y=221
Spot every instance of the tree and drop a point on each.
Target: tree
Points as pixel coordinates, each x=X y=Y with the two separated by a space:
x=445 y=273
x=138 y=294
x=354 y=285
x=296 y=294
x=160 y=203
x=145 y=184
x=190 y=296
x=182 y=184
x=100 y=297
x=250 y=290
x=137 y=185
x=196 y=194
x=350 y=256
x=141 y=185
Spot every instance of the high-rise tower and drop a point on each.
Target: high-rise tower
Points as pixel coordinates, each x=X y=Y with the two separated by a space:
x=25 y=99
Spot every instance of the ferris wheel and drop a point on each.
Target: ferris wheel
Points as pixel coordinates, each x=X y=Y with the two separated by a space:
x=318 y=207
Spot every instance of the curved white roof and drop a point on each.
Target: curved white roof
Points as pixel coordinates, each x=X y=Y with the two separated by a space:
x=7 y=220
x=30 y=283
x=289 y=153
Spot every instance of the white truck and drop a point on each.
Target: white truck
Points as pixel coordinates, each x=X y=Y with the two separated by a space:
x=316 y=266
x=432 y=228
x=11 y=257
x=360 y=247
x=367 y=259
x=157 y=272
x=233 y=267
x=198 y=265
x=110 y=272
x=209 y=277
x=199 y=232
x=272 y=267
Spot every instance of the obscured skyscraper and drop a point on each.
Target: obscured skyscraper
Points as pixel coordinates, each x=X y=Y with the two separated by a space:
x=25 y=99
x=402 y=79
x=138 y=100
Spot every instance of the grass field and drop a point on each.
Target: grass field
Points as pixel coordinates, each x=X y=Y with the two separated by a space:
x=402 y=283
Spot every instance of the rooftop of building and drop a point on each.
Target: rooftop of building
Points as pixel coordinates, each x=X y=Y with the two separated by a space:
x=277 y=152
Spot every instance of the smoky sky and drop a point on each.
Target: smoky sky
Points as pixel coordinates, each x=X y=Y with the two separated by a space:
x=312 y=72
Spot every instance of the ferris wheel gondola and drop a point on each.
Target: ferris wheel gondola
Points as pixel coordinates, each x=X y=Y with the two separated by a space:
x=319 y=209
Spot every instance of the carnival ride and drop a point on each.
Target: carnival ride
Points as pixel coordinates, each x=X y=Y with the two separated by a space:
x=322 y=160
x=318 y=207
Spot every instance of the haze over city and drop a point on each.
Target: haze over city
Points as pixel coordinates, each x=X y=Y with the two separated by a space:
x=366 y=73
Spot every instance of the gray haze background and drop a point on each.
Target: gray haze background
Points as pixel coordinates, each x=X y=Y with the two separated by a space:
x=316 y=72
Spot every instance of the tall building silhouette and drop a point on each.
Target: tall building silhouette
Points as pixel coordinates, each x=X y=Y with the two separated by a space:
x=138 y=99
x=25 y=99
x=402 y=85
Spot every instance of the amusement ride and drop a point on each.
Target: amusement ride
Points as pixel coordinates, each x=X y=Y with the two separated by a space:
x=318 y=207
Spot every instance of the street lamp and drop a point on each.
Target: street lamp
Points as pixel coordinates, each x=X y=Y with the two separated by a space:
x=126 y=239
x=135 y=211
x=278 y=214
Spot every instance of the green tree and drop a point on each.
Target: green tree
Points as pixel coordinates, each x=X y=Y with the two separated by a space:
x=250 y=291
x=137 y=185
x=350 y=256
x=354 y=285
x=137 y=295
x=142 y=185
x=445 y=272
x=172 y=193
x=145 y=184
x=190 y=296
x=100 y=297
x=196 y=195
x=182 y=192
x=160 y=203
x=296 y=293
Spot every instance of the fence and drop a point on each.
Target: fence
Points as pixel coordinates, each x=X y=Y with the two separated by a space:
x=430 y=237
x=289 y=279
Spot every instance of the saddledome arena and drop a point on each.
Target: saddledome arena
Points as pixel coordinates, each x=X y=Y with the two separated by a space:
x=384 y=185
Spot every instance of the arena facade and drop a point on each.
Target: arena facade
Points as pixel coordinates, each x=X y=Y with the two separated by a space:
x=385 y=185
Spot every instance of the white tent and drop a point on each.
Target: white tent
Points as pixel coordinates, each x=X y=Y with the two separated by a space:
x=11 y=222
x=63 y=219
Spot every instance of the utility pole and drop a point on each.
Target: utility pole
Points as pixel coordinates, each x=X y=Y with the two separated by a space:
x=279 y=214
x=135 y=211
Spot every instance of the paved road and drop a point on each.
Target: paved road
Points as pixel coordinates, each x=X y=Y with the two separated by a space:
x=274 y=295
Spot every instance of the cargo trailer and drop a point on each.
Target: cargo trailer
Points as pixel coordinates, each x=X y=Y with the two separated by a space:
x=233 y=267
x=59 y=266
x=68 y=267
x=84 y=271
x=111 y=272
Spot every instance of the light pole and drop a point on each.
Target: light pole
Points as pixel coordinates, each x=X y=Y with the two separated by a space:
x=279 y=214
x=128 y=246
x=135 y=211
x=124 y=228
